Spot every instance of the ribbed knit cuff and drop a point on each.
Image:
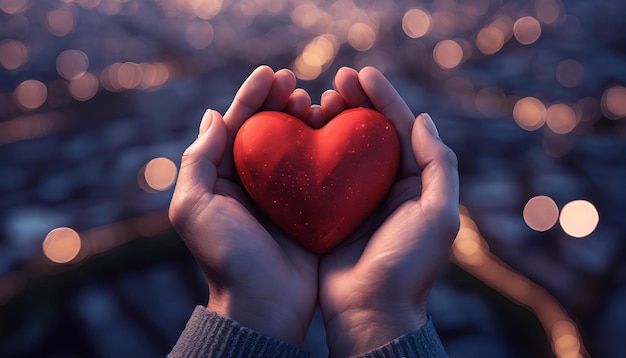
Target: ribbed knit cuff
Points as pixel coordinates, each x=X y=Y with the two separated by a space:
x=423 y=343
x=208 y=334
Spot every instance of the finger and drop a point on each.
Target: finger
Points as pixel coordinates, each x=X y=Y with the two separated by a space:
x=315 y=118
x=298 y=104
x=440 y=177
x=250 y=98
x=387 y=101
x=332 y=104
x=198 y=168
x=283 y=85
x=348 y=85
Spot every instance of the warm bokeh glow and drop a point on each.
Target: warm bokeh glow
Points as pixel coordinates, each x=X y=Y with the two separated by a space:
x=316 y=57
x=579 y=218
x=541 y=213
x=60 y=22
x=548 y=11
x=129 y=75
x=13 y=54
x=72 y=64
x=13 y=7
x=30 y=95
x=527 y=30
x=199 y=34
x=529 y=113
x=561 y=118
x=448 y=54
x=416 y=23
x=84 y=87
x=361 y=36
x=490 y=40
x=159 y=174
x=61 y=245
x=569 y=73
x=613 y=102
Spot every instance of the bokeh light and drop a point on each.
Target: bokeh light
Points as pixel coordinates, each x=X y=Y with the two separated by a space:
x=61 y=245
x=548 y=11
x=613 y=102
x=448 y=54
x=490 y=40
x=579 y=218
x=529 y=113
x=84 y=87
x=158 y=175
x=72 y=64
x=60 y=22
x=561 y=118
x=13 y=54
x=541 y=213
x=13 y=7
x=30 y=94
x=416 y=23
x=569 y=73
x=527 y=30
x=361 y=36
x=199 y=34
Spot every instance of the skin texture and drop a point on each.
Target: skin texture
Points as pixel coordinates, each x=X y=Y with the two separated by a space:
x=373 y=287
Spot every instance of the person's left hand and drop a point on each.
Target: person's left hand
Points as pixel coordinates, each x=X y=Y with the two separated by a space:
x=373 y=287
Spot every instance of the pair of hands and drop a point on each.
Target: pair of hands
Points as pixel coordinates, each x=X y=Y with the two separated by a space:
x=373 y=287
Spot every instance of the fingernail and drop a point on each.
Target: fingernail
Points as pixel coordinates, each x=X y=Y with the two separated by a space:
x=207 y=119
x=430 y=125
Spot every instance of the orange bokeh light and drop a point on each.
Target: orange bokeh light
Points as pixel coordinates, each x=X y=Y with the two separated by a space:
x=158 y=175
x=527 y=30
x=61 y=245
x=30 y=94
x=448 y=54
x=416 y=23
x=529 y=113
x=541 y=213
x=579 y=218
x=561 y=118
x=13 y=54
x=613 y=102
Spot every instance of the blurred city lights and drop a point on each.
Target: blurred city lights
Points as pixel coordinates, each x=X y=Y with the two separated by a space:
x=72 y=64
x=30 y=94
x=448 y=54
x=361 y=36
x=541 y=213
x=471 y=252
x=490 y=40
x=84 y=87
x=158 y=175
x=527 y=30
x=579 y=218
x=416 y=23
x=529 y=113
x=60 y=22
x=614 y=102
x=199 y=34
x=561 y=118
x=61 y=245
x=13 y=54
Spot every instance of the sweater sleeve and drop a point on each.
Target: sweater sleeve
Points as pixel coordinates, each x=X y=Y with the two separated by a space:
x=208 y=334
x=422 y=343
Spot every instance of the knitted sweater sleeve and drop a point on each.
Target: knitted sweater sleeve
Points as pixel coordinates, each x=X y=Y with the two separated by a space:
x=208 y=334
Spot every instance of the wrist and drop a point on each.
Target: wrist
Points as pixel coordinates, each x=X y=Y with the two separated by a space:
x=358 y=330
x=278 y=319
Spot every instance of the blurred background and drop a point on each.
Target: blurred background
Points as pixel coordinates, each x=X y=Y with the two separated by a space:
x=99 y=98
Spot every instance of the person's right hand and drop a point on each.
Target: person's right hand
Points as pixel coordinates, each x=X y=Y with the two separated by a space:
x=256 y=275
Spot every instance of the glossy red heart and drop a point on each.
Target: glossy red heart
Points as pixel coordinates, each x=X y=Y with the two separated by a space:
x=318 y=185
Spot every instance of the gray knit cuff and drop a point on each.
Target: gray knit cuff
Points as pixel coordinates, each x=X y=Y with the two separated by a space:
x=423 y=343
x=208 y=334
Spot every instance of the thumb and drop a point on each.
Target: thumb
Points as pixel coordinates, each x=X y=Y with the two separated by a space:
x=440 y=178
x=198 y=167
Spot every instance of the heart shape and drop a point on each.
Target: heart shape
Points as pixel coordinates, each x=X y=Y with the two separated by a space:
x=318 y=185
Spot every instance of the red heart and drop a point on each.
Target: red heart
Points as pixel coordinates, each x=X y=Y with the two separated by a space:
x=318 y=185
